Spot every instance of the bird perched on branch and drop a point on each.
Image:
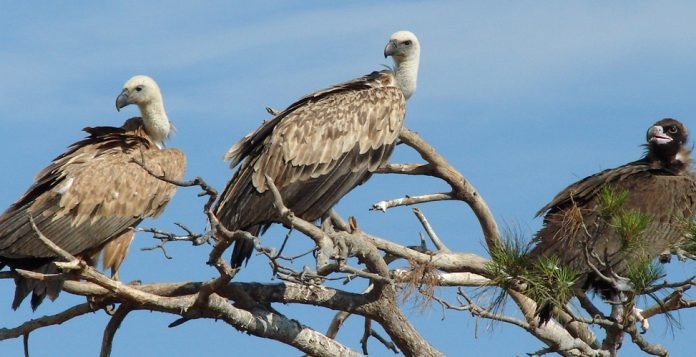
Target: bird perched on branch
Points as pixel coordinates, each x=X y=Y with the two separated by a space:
x=606 y=223
x=320 y=147
x=89 y=198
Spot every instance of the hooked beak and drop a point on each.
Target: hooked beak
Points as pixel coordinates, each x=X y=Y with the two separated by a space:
x=656 y=135
x=122 y=100
x=390 y=49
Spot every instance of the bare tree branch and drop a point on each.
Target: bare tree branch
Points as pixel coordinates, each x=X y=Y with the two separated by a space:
x=110 y=330
x=411 y=200
x=49 y=320
x=431 y=232
x=462 y=189
x=406 y=169
x=248 y=307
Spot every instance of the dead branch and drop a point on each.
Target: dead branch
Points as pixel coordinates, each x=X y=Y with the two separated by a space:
x=336 y=323
x=198 y=181
x=644 y=345
x=366 y=334
x=411 y=200
x=110 y=330
x=449 y=262
x=431 y=232
x=461 y=188
x=447 y=279
x=49 y=320
x=406 y=169
x=247 y=306
x=52 y=246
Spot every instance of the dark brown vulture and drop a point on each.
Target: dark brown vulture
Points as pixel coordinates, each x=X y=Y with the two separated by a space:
x=320 y=147
x=659 y=186
x=89 y=198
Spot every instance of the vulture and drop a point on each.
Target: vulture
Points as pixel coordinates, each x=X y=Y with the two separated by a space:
x=660 y=186
x=319 y=148
x=90 y=197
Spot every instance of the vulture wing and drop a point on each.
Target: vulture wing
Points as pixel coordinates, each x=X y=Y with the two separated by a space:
x=91 y=194
x=315 y=152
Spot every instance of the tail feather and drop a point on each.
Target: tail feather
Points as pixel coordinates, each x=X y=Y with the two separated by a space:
x=39 y=289
x=544 y=313
x=244 y=248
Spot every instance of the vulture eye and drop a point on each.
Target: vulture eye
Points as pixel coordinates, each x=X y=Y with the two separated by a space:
x=407 y=42
x=139 y=88
x=672 y=129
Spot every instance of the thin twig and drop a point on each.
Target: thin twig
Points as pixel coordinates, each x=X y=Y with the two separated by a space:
x=110 y=330
x=52 y=246
x=388 y=344
x=406 y=169
x=477 y=310
x=367 y=327
x=48 y=320
x=411 y=200
x=198 y=181
x=461 y=187
x=336 y=323
x=429 y=229
x=666 y=285
x=644 y=345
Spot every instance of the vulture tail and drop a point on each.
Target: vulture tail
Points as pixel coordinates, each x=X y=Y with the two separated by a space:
x=39 y=289
x=243 y=248
x=544 y=313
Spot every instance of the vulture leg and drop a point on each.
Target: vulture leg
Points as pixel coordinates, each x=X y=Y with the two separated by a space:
x=327 y=223
x=636 y=313
x=614 y=337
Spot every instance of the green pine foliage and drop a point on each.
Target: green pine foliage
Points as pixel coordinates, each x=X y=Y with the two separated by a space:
x=551 y=282
x=611 y=201
x=643 y=274
x=544 y=279
x=689 y=245
x=630 y=225
x=508 y=262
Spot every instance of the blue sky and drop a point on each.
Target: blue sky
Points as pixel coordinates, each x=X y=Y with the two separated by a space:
x=523 y=98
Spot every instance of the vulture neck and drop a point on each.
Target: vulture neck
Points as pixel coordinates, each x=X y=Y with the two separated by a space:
x=156 y=121
x=406 y=74
x=677 y=163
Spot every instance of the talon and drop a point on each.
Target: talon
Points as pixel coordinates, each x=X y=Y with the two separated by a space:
x=644 y=323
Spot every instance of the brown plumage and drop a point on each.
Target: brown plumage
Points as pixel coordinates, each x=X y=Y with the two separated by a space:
x=87 y=197
x=661 y=186
x=320 y=147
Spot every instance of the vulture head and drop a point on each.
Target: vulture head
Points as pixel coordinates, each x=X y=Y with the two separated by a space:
x=402 y=45
x=666 y=140
x=139 y=90
x=144 y=92
x=404 y=48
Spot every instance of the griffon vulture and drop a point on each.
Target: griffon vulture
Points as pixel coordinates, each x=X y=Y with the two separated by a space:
x=320 y=147
x=89 y=198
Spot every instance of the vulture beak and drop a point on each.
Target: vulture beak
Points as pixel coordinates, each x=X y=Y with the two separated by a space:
x=122 y=100
x=390 y=49
x=656 y=135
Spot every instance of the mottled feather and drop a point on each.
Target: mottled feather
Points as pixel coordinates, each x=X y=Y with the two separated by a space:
x=89 y=195
x=315 y=151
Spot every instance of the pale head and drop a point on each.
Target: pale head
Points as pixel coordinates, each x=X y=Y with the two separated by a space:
x=144 y=92
x=404 y=48
x=139 y=90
